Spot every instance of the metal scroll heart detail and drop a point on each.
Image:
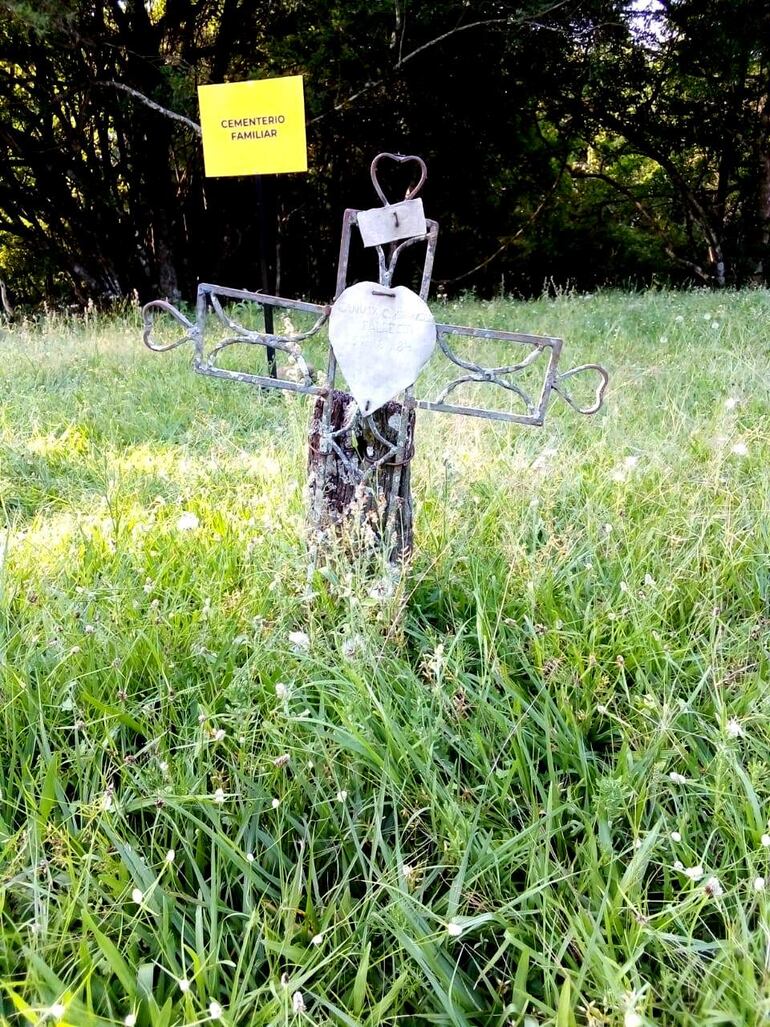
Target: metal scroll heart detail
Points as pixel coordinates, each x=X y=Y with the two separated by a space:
x=382 y=338
x=398 y=158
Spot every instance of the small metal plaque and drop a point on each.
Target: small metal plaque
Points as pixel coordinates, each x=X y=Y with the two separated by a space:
x=396 y=221
x=382 y=338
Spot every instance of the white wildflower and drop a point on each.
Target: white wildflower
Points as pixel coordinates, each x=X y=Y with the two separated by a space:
x=317 y=939
x=342 y=795
x=219 y=796
x=707 y=317
x=130 y=1020
x=676 y=836
x=713 y=888
x=678 y=865
x=765 y=840
x=107 y=800
x=300 y=641
x=694 y=873
x=632 y=1019
x=137 y=896
x=183 y=984
x=678 y=779
x=57 y=1010
x=187 y=522
x=759 y=884
x=170 y=856
x=383 y=589
x=219 y=734
x=352 y=646
x=276 y=803
x=649 y=580
x=298 y=1002
x=740 y=449
x=679 y=318
x=454 y=930
x=281 y=690
x=734 y=728
x=215 y=1011
x=249 y=857
x=731 y=403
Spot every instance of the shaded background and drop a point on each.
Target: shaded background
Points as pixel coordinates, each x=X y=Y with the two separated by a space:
x=569 y=144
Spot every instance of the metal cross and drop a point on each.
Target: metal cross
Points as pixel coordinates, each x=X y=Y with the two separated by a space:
x=396 y=226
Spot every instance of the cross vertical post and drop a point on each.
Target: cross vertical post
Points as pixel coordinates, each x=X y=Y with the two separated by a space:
x=359 y=462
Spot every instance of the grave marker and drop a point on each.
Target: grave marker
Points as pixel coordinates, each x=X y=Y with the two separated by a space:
x=381 y=336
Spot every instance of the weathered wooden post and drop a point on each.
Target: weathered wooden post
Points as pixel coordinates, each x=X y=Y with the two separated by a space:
x=381 y=335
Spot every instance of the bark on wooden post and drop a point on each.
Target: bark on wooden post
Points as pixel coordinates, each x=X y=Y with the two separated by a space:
x=358 y=491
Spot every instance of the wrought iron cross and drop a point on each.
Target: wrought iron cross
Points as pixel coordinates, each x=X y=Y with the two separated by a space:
x=380 y=337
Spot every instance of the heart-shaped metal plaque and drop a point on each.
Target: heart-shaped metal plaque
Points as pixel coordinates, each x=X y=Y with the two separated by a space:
x=382 y=338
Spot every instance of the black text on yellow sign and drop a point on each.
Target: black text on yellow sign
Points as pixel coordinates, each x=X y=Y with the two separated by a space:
x=253 y=128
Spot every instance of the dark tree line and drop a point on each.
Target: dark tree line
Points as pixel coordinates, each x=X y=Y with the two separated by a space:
x=582 y=141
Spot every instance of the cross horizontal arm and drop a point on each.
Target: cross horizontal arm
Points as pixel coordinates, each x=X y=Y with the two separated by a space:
x=205 y=363
x=501 y=375
x=260 y=297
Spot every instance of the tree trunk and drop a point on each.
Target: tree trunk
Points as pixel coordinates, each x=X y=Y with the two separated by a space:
x=762 y=234
x=5 y=303
x=351 y=498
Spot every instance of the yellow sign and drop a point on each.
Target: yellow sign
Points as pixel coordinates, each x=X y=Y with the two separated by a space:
x=253 y=128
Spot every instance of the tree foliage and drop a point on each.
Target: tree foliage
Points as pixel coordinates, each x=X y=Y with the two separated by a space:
x=581 y=140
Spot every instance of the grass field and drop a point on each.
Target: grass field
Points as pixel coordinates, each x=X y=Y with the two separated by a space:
x=528 y=784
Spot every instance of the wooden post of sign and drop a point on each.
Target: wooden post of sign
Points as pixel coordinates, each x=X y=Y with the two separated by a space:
x=266 y=213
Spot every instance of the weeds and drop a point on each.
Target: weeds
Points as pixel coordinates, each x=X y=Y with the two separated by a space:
x=525 y=784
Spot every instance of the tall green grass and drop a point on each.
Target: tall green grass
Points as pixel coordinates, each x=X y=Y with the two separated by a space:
x=526 y=784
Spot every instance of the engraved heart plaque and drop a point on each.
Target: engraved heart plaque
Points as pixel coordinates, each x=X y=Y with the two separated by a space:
x=382 y=338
